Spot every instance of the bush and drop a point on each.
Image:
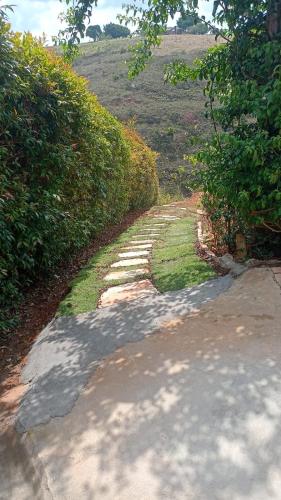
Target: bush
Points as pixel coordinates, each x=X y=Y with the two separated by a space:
x=67 y=167
x=143 y=174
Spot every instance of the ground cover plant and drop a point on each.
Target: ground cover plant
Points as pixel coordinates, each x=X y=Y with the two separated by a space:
x=175 y=264
x=85 y=290
x=68 y=167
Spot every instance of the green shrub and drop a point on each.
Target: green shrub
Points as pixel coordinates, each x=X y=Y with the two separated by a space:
x=142 y=172
x=67 y=168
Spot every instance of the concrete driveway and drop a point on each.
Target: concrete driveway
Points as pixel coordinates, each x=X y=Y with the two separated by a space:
x=192 y=412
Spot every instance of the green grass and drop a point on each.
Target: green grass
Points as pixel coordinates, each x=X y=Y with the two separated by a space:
x=175 y=264
x=86 y=289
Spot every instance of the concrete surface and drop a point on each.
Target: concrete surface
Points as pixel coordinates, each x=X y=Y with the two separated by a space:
x=192 y=413
x=70 y=348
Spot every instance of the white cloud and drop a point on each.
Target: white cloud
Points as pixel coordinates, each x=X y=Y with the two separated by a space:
x=38 y=16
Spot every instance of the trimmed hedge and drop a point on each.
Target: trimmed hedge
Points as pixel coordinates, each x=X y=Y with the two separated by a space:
x=68 y=168
x=144 y=180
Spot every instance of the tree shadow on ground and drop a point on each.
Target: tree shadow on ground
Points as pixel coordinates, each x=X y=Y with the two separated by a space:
x=193 y=414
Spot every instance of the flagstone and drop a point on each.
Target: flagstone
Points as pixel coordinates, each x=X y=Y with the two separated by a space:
x=136 y=253
x=138 y=247
x=141 y=241
x=169 y=217
x=145 y=235
x=129 y=262
x=126 y=275
x=157 y=224
x=127 y=292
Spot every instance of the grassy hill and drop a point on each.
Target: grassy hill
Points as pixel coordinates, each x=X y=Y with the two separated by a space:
x=168 y=117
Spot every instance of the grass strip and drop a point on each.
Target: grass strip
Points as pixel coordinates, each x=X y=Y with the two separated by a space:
x=175 y=264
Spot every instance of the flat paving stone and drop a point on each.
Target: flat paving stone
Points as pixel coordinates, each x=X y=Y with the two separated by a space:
x=129 y=262
x=127 y=292
x=142 y=241
x=126 y=275
x=148 y=230
x=145 y=235
x=156 y=224
x=168 y=218
x=136 y=253
x=138 y=247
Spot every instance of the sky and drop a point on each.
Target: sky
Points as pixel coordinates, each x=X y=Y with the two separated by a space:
x=41 y=16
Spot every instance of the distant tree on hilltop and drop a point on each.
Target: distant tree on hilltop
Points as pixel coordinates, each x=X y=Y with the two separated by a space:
x=116 y=30
x=94 y=32
x=192 y=24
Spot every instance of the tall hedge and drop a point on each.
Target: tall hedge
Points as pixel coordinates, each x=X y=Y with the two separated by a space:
x=68 y=168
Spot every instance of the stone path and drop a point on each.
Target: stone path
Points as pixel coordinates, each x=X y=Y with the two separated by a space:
x=136 y=253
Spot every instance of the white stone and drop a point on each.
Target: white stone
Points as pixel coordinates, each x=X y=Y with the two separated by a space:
x=145 y=235
x=168 y=217
x=126 y=275
x=127 y=292
x=141 y=241
x=137 y=253
x=138 y=247
x=129 y=262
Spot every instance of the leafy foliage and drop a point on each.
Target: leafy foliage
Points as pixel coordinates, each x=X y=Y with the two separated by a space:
x=192 y=24
x=67 y=168
x=144 y=181
x=94 y=32
x=242 y=175
x=113 y=30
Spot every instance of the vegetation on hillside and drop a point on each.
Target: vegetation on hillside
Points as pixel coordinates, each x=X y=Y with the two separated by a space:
x=242 y=175
x=191 y=24
x=172 y=120
x=110 y=30
x=68 y=167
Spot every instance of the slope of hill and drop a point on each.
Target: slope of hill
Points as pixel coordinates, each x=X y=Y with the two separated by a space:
x=168 y=117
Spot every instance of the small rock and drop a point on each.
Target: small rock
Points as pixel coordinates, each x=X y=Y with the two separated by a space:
x=227 y=262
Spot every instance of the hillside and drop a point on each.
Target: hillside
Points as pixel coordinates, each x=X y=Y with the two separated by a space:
x=168 y=117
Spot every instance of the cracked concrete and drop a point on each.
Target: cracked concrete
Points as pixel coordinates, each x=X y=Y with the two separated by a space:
x=192 y=412
x=70 y=348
